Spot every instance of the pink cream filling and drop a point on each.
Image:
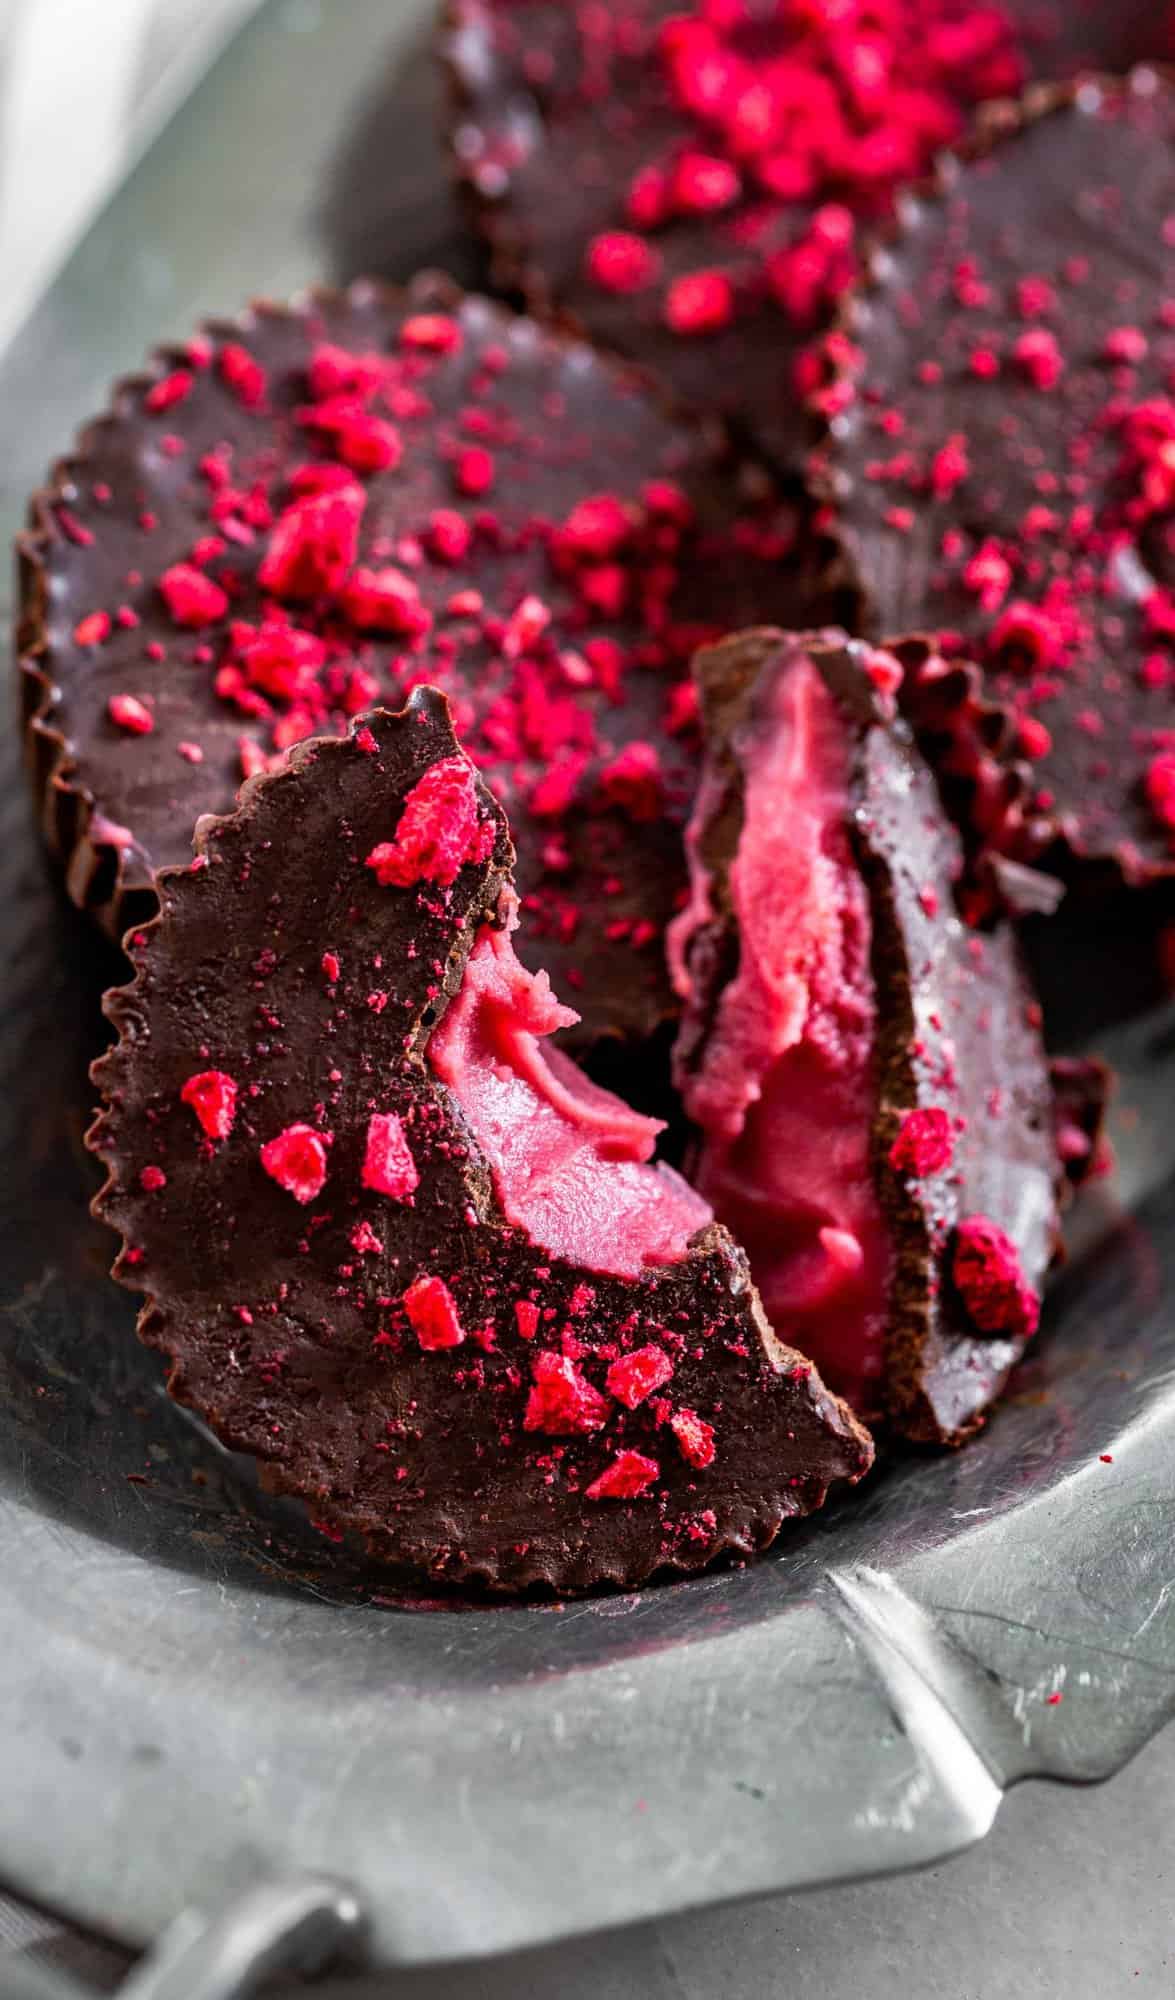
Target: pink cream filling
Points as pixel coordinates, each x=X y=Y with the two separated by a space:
x=570 y=1162
x=787 y=1096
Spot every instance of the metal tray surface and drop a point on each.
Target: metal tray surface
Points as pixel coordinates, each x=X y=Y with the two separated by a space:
x=191 y=1691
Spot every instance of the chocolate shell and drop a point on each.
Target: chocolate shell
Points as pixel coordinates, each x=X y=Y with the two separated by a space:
x=950 y=1078
x=685 y=182
x=313 y=510
x=999 y=463
x=324 y=1243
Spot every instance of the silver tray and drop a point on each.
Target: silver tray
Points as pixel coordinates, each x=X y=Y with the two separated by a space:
x=190 y=1695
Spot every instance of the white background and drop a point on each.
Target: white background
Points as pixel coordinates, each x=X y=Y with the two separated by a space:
x=82 y=85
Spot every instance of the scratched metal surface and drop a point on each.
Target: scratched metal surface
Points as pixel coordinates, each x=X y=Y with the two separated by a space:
x=188 y=1690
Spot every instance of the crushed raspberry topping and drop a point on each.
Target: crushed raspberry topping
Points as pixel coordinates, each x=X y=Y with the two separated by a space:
x=621 y=262
x=562 y=1401
x=629 y=1475
x=384 y=600
x=131 y=714
x=769 y=127
x=702 y=302
x=241 y=372
x=925 y=1143
x=434 y=333
x=432 y=1314
x=990 y=1281
x=1160 y=788
x=440 y=830
x=296 y=1160
x=526 y=1315
x=212 y=1094
x=336 y=371
x=635 y=1376
x=634 y=782
x=474 y=471
x=169 y=390
x=314 y=544
x=275 y=658
x=93 y=628
x=695 y=1438
x=388 y=1165
x=192 y=598
x=535 y=550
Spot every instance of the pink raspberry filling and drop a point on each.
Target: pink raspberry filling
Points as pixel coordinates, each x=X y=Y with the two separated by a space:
x=572 y=1164
x=787 y=1097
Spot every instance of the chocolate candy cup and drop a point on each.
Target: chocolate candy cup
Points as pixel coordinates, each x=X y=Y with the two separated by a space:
x=998 y=461
x=511 y=518
x=685 y=182
x=951 y=1078
x=367 y=1323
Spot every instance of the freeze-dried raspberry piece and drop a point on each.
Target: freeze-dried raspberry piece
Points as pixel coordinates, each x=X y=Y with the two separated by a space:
x=695 y=1438
x=313 y=544
x=337 y=371
x=93 y=628
x=170 y=389
x=1160 y=789
x=562 y=1401
x=440 y=831
x=621 y=262
x=384 y=600
x=448 y=535
x=635 y=1376
x=629 y=1475
x=388 y=1165
x=526 y=1315
x=634 y=782
x=431 y=333
x=925 y=1142
x=990 y=1280
x=474 y=470
x=131 y=714
x=278 y=659
x=212 y=1094
x=192 y=598
x=369 y=444
x=241 y=372
x=699 y=302
x=432 y=1314
x=296 y=1160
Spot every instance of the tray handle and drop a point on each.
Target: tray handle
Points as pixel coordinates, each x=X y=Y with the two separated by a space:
x=303 y=1924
